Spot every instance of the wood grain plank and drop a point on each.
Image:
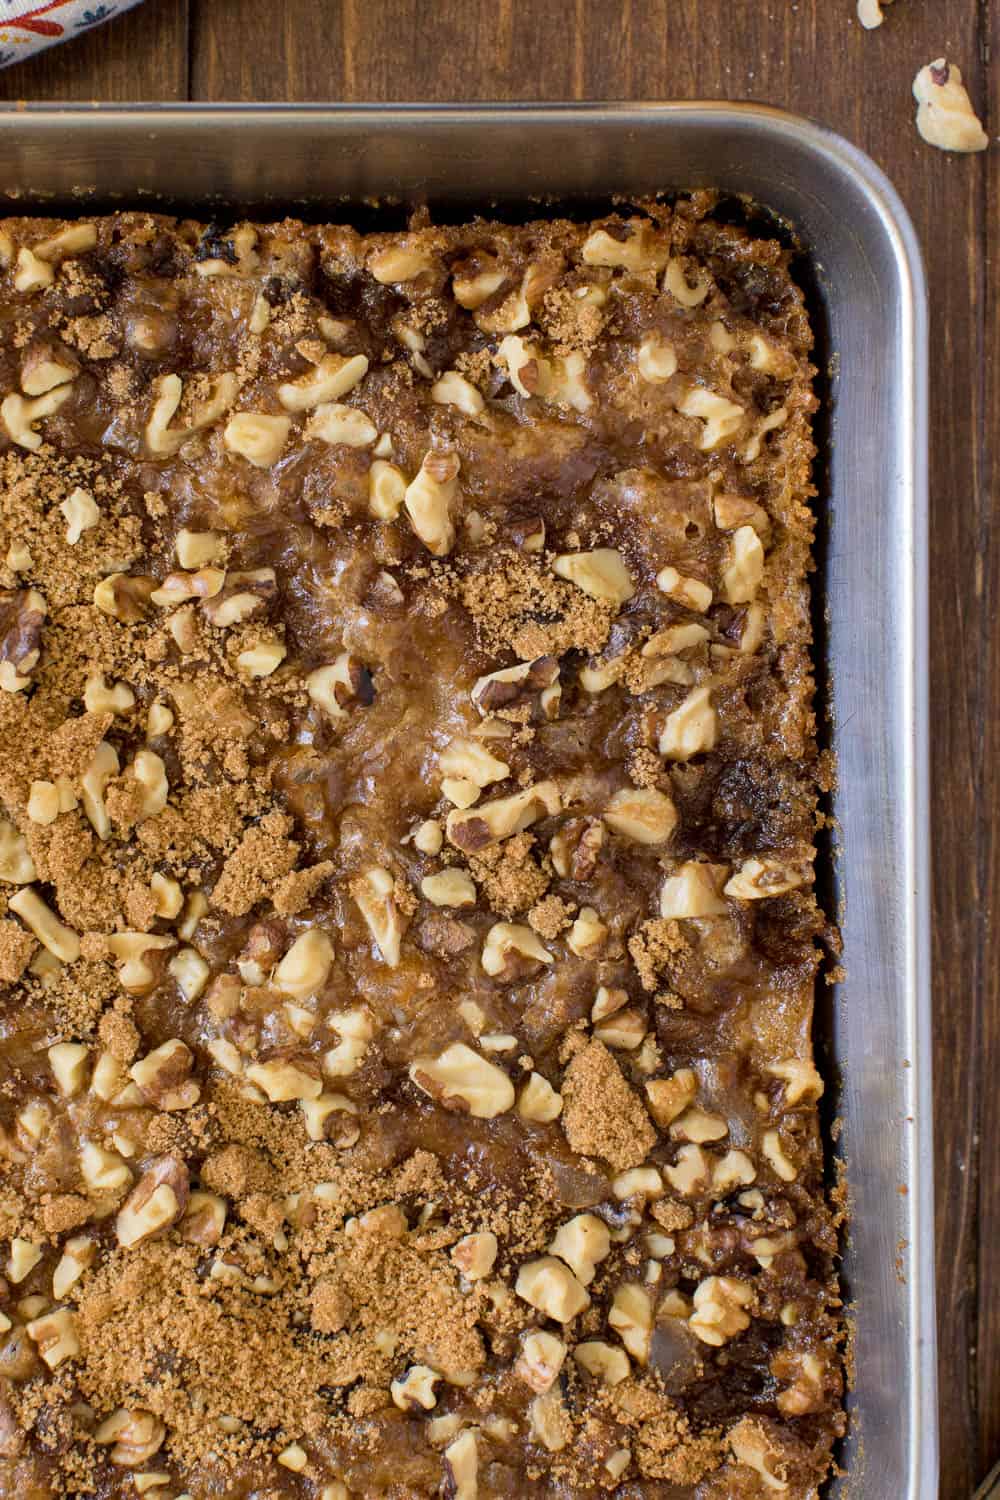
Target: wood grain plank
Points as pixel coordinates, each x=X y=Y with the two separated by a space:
x=986 y=88
x=139 y=55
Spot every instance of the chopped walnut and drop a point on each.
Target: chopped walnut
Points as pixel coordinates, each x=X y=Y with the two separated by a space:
x=803 y=1084
x=475 y=1254
x=461 y=1079
x=538 y=1100
x=258 y=438
x=601 y=574
x=631 y=1316
x=374 y=892
x=158 y=1200
x=22 y=616
x=330 y=379
x=136 y=1435
x=583 y=1242
x=751 y=1445
x=304 y=968
x=644 y=815
x=541 y=1358
x=462 y=1462
x=429 y=498
x=490 y=822
x=516 y=688
x=945 y=116
x=164 y=1076
x=693 y=728
x=81 y=513
x=719 y=1314
x=415 y=1389
x=551 y=1287
x=61 y=941
x=512 y=951
x=694 y=890
x=759 y=879
x=19 y=415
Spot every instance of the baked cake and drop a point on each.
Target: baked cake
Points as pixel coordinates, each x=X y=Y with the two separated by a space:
x=407 y=935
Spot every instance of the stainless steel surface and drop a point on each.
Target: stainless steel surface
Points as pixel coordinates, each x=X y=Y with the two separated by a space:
x=873 y=558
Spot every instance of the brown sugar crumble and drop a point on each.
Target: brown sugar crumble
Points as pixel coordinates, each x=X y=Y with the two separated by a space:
x=408 y=787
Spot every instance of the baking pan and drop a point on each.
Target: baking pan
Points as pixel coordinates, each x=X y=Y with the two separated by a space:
x=863 y=270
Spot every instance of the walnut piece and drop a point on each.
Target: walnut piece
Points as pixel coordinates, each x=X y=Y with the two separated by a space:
x=69 y=1061
x=475 y=1254
x=428 y=500
x=461 y=1079
x=656 y=360
x=452 y=887
x=642 y=814
x=582 y=1242
x=512 y=951
x=61 y=941
x=759 y=879
x=286 y=1077
x=720 y=416
x=670 y=1097
x=719 y=1309
x=332 y=378
x=490 y=822
x=164 y=1076
x=516 y=687
x=691 y=592
x=742 y=575
x=631 y=1316
x=19 y=415
x=304 y=969
x=751 y=1445
x=693 y=890
x=945 y=116
x=600 y=574
x=603 y=1361
x=22 y=616
x=538 y=1100
x=257 y=437
x=803 y=1085
x=374 y=893
x=415 y=1389
x=462 y=1463
x=158 y=1200
x=332 y=422
x=55 y=1335
x=81 y=513
x=693 y=728
x=541 y=1358
x=136 y=1436
x=551 y=1287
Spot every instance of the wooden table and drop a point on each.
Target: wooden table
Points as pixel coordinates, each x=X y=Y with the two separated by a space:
x=812 y=56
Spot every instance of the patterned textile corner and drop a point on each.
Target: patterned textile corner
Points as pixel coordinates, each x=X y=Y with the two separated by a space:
x=26 y=26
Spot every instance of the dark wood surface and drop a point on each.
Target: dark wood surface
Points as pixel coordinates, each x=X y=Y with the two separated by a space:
x=813 y=57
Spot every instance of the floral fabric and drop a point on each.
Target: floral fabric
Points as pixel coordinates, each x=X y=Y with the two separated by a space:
x=26 y=26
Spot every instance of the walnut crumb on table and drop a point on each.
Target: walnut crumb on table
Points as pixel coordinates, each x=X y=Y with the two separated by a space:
x=407 y=793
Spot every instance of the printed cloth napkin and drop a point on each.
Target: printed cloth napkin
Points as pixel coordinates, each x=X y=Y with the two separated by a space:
x=26 y=26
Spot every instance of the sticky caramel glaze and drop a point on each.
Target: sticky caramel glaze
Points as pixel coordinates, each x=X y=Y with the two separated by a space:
x=690 y=1029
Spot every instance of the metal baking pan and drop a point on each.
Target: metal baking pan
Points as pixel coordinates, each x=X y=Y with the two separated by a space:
x=866 y=285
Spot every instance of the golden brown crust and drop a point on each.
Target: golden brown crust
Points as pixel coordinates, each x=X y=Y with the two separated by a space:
x=408 y=793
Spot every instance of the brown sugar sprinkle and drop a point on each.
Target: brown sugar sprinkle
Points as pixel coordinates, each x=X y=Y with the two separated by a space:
x=509 y=875
x=339 y=1158
x=654 y=948
x=517 y=606
x=601 y=1114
